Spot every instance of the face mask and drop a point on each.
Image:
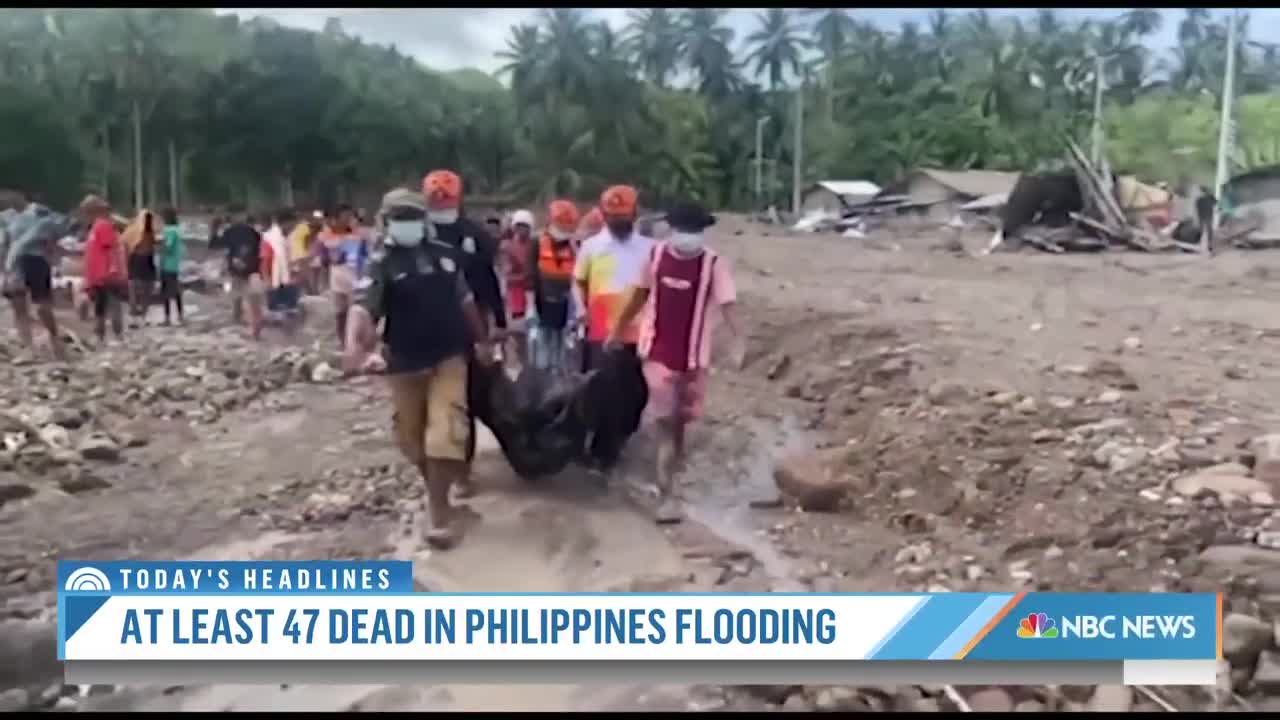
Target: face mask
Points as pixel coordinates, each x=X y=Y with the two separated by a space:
x=560 y=235
x=444 y=217
x=686 y=243
x=621 y=229
x=405 y=233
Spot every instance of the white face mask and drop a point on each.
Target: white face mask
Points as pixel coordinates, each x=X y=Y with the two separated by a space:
x=558 y=234
x=444 y=217
x=405 y=233
x=686 y=243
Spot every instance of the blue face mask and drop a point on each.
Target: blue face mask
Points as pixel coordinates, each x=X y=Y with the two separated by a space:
x=405 y=233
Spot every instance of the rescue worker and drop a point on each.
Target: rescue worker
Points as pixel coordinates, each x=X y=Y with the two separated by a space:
x=550 y=294
x=478 y=252
x=609 y=266
x=432 y=327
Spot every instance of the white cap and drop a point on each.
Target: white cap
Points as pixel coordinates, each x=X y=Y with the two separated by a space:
x=522 y=217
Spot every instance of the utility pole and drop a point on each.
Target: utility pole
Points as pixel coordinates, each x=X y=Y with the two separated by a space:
x=797 y=153
x=1098 y=68
x=1225 y=132
x=760 y=123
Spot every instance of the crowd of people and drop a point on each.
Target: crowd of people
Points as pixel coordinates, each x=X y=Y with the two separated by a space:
x=447 y=291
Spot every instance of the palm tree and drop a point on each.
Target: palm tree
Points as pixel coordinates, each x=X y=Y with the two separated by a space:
x=653 y=40
x=777 y=46
x=832 y=29
x=567 y=58
x=705 y=44
x=523 y=56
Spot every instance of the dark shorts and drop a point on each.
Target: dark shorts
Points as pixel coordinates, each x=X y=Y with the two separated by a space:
x=103 y=296
x=142 y=268
x=169 y=286
x=284 y=297
x=37 y=278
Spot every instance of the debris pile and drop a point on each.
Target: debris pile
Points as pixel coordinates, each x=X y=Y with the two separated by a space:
x=60 y=421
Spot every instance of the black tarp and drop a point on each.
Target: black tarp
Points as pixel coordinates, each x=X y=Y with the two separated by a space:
x=543 y=422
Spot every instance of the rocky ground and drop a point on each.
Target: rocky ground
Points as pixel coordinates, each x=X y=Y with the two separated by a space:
x=910 y=418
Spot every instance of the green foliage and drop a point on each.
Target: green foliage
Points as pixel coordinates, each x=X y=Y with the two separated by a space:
x=224 y=109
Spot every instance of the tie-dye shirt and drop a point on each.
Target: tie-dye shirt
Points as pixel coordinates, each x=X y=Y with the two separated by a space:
x=611 y=271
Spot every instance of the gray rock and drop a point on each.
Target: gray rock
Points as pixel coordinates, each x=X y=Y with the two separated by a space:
x=837 y=698
x=1029 y=706
x=1266 y=677
x=1111 y=698
x=28 y=653
x=98 y=446
x=15 y=700
x=1229 y=481
x=77 y=479
x=10 y=492
x=990 y=700
x=1244 y=638
x=776 y=694
x=1266 y=464
x=943 y=392
x=796 y=703
x=1241 y=557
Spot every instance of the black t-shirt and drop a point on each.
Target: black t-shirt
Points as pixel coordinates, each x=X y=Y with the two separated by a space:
x=480 y=249
x=243 y=247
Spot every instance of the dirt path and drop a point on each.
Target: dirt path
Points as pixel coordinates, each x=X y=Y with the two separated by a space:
x=1014 y=421
x=310 y=472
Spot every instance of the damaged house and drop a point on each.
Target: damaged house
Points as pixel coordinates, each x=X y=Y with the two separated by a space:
x=940 y=194
x=1253 y=199
x=834 y=197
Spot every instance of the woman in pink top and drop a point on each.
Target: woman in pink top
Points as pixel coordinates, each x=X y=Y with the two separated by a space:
x=681 y=283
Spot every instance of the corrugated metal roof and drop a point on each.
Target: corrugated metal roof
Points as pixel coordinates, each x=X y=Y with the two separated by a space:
x=987 y=202
x=978 y=183
x=855 y=188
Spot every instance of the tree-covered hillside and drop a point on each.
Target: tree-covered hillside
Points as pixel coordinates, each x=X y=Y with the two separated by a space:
x=152 y=105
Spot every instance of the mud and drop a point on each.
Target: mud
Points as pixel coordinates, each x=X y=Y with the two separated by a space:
x=966 y=399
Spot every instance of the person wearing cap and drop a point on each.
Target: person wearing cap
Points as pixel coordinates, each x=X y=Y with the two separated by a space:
x=516 y=251
x=105 y=275
x=442 y=190
x=609 y=265
x=680 y=283
x=591 y=223
x=25 y=247
x=432 y=326
x=550 y=295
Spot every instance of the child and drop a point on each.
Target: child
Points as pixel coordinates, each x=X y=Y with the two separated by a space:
x=172 y=250
x=683 y=280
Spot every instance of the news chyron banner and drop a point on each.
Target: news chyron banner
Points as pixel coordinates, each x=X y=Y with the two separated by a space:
x=362 y=622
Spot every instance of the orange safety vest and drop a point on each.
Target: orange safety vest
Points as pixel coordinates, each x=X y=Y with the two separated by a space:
x=555 y=263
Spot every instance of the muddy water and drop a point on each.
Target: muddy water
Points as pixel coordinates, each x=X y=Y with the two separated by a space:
x=736 y=468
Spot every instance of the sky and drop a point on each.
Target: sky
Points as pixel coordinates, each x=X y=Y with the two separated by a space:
x=451 y=38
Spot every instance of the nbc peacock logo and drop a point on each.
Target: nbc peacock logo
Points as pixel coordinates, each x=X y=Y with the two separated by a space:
x=88 y=579
x=1037 y=625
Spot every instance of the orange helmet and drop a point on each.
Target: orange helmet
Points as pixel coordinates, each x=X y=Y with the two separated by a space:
x=442 y=189
x=562 y=217
x=592 y=223
x=619 y=201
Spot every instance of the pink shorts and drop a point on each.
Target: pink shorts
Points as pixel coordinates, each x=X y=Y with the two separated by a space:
x=674 y=395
